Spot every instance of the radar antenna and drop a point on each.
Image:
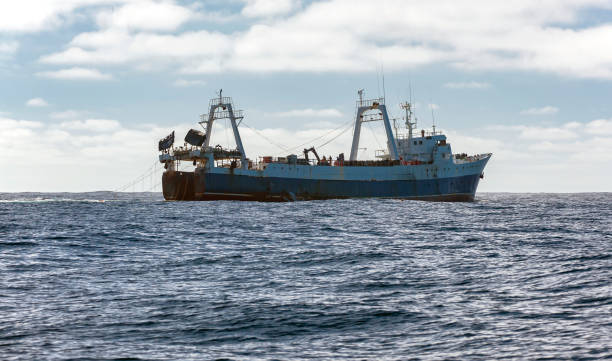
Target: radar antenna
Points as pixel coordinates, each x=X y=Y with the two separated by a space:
x=433 y=118
x=409 y=108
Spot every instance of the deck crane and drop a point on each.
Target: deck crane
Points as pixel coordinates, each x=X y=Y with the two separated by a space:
x=311 y=149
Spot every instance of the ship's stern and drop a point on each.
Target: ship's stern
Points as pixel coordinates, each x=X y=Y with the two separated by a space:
x=179 y=186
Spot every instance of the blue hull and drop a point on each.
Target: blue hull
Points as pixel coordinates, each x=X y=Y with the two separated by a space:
x=321 y=189
x=211 y=186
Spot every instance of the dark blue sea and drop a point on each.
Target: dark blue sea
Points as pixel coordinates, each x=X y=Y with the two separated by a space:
x=106 y=276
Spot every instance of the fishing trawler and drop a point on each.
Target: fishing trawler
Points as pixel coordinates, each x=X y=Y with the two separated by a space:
x=414 y=166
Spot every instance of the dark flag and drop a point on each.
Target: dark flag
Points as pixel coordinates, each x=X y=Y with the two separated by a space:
x=166 y=142
x=195 y=137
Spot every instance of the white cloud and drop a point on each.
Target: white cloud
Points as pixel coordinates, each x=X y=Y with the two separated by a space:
x=146 y=15
x=308 y=113
x=94 y=125
x=187 y=83
x=599 y=127
x=564 y=158
x=433 y=106
x=547 y=110
x=467 y=85
x=75 y=74
x=546 y=133
x=67 y=114
x=566 y=131
x=264 y=8
x=116 y=47
x=37 y=15
x=86 y=157
x=339 y=35
x=8 y=48
x=7 y=124
x=37 y=102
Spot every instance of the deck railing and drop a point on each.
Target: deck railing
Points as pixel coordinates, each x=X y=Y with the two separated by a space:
x=222 y=100
x=222 y=114
x=370 y=102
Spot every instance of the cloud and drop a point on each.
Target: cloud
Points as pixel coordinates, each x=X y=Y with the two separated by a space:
x=37 y=102
x=599 y=127
x=433 y=106
x=81 y=156
x=265 y=8
x=569 y=130
x=37 y=15
x=8 y=48
x=467 y=85
x=117 y=46
x=339 y=36
x=7 y=124
x=188 y=83
x=308 y=113
x=94 y=125
x=546 y=133
x=547 y=110
x=563 y=158
x=145 y=15
x=75 y=74
x=67 y=114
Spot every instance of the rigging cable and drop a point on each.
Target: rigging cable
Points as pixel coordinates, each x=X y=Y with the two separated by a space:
x=140 y=179
x=266 y=138
x=226 y=135
x=374 y=134
x=336 y=137
x=342 y=126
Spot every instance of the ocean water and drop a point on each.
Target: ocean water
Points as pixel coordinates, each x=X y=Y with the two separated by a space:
x=104 y=276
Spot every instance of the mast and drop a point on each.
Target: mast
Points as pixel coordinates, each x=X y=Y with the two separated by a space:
x=407 y=106
x=364 y=106
x=223 y=108
x=433 y=119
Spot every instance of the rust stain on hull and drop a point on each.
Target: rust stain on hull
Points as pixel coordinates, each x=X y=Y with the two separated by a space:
x=178 y=186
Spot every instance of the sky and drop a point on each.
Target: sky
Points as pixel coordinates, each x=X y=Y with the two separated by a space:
x=88 y=87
